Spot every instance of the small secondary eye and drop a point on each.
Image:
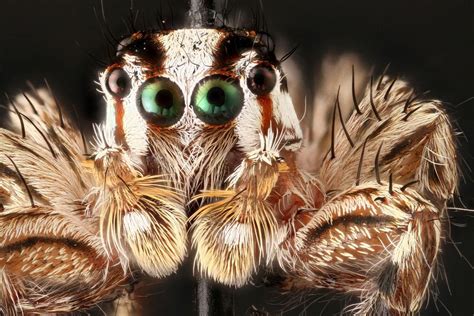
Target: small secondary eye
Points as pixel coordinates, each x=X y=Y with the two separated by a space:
x=218 y=100
x=161 y=102
x=118 y=83
x=261 y=79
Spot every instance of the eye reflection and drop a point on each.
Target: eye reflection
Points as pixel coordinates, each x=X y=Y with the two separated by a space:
x=261 y=80
x=118 y=83
x=218 y=100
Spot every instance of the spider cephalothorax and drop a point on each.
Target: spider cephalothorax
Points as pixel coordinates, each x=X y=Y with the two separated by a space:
x=201 y=133
x=195 y=96
x=202 y=105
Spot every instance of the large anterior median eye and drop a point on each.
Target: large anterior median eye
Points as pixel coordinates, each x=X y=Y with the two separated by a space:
x=218 y=100
x=160 y=102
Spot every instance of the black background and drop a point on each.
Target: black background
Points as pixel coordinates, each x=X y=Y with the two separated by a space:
x=430 y=43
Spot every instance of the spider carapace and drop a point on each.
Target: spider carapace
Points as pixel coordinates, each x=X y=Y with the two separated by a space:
x=201 y=142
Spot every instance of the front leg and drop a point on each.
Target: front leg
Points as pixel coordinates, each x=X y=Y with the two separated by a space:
x=376 y=241
x=52 y=261
x=69 y=226
x=376 y=238
x=51 y=258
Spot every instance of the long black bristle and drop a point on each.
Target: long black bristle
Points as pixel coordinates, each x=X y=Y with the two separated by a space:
x=382 y=76
x=32 y=201
x=411 y=112
x=385 y=97
x=30 y=103
x=372 y=104
x=390 y=184
x=34 y=93
x=333 y=127
x=342 y=120
x=288 y=55
x=354 y=99
x=377 y=167
x=42 y=135
x=405 y=186
x=412 y=99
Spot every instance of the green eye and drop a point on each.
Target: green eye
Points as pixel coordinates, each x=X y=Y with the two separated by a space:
x=218 y=100
x=161 y=102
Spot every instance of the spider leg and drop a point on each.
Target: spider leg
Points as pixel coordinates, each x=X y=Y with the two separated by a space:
x=375 y=238
x=371 y=242
x=231 y=235
x=417 y=136
x=51 y=258
x=51 y=262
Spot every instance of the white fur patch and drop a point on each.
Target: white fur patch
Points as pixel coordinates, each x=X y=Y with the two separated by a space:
x=235 y=234
x=136 y=223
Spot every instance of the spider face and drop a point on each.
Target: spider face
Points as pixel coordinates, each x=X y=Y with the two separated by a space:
x=199 y=99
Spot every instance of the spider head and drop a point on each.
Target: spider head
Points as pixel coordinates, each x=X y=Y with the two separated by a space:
x=192 y=103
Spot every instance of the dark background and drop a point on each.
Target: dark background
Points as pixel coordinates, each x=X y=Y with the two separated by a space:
x=430 y=43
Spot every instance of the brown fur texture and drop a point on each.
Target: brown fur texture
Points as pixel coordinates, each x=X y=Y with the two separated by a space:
x=51 y=257
x=379 y=232
x=368 y=222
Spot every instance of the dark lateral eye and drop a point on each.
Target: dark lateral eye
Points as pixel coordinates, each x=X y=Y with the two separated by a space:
x=218 y=100
x=160 y=102
x=261 y=79
x=118 y=83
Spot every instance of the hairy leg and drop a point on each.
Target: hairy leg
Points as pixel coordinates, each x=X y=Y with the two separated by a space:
x=236 y=234
x=412 y=134
x=387 y=177
x=377 y=242
x=52 y=262
x=51 y=257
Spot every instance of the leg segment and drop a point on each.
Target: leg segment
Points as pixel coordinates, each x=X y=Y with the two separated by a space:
x=51 y=258
x=377 y=242
x=416 y=136
x=50 y=262
x=141 y=217
x=378 y=238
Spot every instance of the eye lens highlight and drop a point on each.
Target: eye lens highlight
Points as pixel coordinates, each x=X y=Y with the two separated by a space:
x=161 y=102
x=118 y=83
x=218 y=100
x=261 y=80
